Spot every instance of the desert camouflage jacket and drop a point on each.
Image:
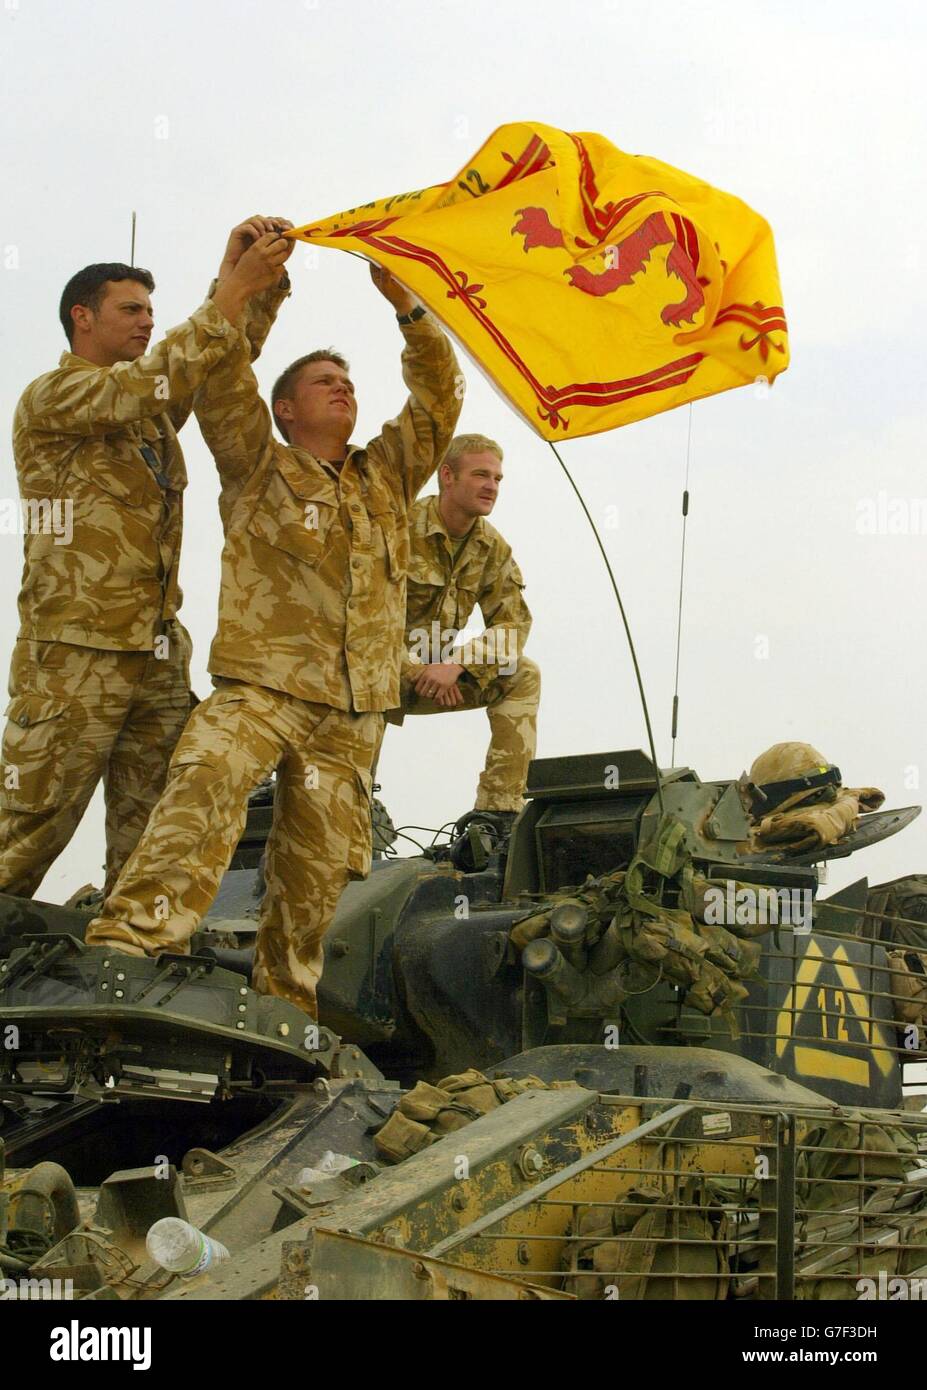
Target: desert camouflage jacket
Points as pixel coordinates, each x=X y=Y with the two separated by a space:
x=313 y=593
x=101 y=475
x=444 y=589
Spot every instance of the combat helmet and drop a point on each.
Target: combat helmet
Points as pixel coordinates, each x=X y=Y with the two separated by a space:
x=787 y=774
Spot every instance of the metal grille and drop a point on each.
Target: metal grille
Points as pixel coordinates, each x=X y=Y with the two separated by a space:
x=774 y=1209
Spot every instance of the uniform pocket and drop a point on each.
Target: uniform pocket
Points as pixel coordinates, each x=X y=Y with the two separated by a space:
x=425 y=572
x=174 y=657
x=360 y=849
x=466 y=602
x=297 y=524
x=125 y=478
x=35 y=744
x=426 y=588
x=206 y=741
x=470 y=581
x=51 y=656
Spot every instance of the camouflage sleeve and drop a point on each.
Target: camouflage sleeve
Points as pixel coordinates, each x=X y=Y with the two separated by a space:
x=235 y=423
x=508 y=621
x=409 y=448
x=261 y=312
x=101 y=399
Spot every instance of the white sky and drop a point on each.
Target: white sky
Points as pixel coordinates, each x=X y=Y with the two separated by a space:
x=198 y=114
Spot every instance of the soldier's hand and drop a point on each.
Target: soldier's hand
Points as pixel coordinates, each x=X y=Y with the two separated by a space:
x=246 y=234
x=400 y=298
x=283 y=224
x=256 y=269
x=439 y=682
x=259 y=267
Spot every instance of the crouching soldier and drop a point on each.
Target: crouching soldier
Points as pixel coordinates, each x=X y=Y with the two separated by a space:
x=459 y=561
x=306 y=656
x=99 y=678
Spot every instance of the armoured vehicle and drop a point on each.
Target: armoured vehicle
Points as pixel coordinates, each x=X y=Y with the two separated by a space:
x=572 y=1059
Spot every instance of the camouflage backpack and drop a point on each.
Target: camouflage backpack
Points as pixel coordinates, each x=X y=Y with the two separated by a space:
x=903 y=897
x=634 y=1248
x=909 y=988
x=862 y=1215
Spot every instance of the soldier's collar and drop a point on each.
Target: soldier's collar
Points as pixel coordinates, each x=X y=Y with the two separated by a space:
x=71 y=359
x=436 y=527
x=353 y=454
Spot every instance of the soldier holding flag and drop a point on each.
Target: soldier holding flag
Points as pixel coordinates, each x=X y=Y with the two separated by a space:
x=100 y=672
x=306 y=656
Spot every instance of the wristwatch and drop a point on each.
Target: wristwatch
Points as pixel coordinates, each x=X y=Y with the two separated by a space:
x=413 y=315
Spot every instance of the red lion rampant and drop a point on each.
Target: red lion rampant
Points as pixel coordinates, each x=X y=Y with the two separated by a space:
x=629 y=257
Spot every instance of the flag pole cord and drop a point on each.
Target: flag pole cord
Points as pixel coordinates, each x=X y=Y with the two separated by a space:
x=682 y=577
x=627 y=628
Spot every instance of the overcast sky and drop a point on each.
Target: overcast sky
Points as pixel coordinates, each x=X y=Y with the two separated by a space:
x=798 y=622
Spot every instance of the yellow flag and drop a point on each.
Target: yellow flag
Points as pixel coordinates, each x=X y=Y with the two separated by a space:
x=594 y=287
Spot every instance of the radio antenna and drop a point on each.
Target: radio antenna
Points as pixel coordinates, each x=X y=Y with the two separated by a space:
x=682 y=585
x=627 y=628
x=132 y=251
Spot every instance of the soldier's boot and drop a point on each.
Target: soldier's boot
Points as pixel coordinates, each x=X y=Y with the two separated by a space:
x=476 y=835
x=499 y=822
x=512 y=706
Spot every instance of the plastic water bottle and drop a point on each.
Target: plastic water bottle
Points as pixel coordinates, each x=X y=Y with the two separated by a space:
x=183 y=1249
x=331 y=1165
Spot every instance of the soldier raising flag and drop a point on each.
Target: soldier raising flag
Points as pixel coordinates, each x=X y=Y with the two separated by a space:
x=99 y=678
x=307 y=652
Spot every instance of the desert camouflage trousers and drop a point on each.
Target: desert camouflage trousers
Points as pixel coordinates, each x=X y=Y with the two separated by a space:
x=511 y=702
x=320 y=836
x=76 y=715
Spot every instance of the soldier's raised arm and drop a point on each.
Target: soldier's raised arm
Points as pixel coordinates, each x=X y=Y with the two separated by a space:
x=261 y=310
x=233 y=419
x=410 y=447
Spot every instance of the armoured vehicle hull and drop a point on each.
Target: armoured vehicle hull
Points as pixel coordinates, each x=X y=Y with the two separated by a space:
x=600 y=1129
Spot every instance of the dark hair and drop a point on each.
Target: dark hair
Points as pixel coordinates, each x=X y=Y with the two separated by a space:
x=285 y=382
x=88 y=286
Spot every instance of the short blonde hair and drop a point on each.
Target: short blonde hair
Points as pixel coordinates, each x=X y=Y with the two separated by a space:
x=468 y=444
